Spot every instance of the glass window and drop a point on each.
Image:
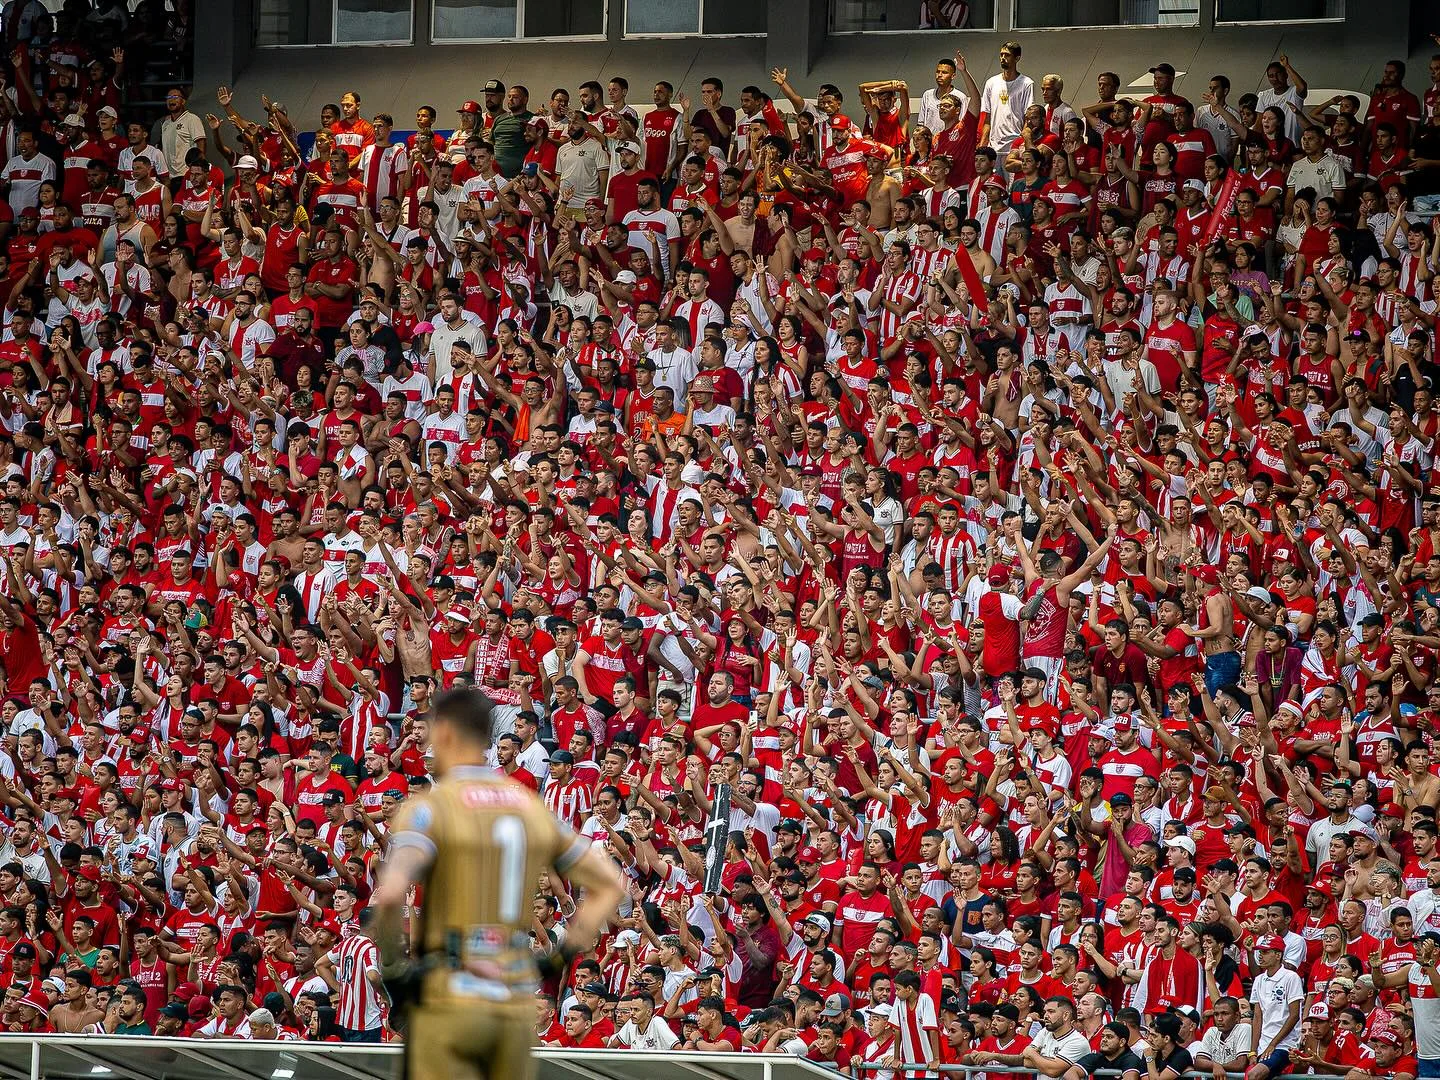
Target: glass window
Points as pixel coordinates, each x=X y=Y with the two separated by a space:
x=1040 y=14
x=662 y=16
x=360 y=22
x=851 y=16
x=480 y=20
x=563 y=18
x=475 y=19
x=1233 y=11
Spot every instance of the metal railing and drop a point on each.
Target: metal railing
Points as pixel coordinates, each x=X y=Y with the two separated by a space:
x=1024 y=1070
x=147 y=1057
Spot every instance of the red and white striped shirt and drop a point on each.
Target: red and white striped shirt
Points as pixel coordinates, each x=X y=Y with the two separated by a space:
x=912 y=1024
x=359 y=1008
x=570 y=801
x=381 y=170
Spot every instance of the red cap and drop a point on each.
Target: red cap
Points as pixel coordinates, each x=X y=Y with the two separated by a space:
x=999 y=575
x=470 y=107
x=171 y=785
x=807 y=854
x=89 y=873
x=594 y=204
x=1385 y=1035
x=840 y=122
x=813 y=254
x=1323 y=886
x=139 y=736
x=186 y=990
x=1270 y=941
x=1124 y=721
x=1394 y=810
x=199 y=1007
x=331 y=925
x=36 y=1001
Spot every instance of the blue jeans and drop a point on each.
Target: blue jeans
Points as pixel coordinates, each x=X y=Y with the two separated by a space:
x=1222 y=669
x=1429 y=1067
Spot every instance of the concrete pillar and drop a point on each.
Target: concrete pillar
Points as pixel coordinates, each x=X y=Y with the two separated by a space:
x=795 y=34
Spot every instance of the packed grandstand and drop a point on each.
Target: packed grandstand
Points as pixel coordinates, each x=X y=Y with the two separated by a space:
x=1021 y=510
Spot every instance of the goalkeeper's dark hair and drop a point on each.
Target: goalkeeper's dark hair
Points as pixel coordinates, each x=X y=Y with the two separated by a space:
x=469 y=708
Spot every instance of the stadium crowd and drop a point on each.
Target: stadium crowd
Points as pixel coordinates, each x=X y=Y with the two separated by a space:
x=1022 y=510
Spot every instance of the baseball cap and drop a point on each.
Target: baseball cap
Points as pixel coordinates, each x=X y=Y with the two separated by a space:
x=74 y=120
x=998 y=575
x=24 y=950
x=107 y=110
x=1195 y=185
x=629 y=147
x=1318 y=1011
x=1123 y=721
x=1184 y=843
x=562 y=757
x=1391 y=809
x=331 y=925
x=813 y=254
x=1164 y=68
x=1385 y=1035
x=172 y=785
x=816 y=919
x=597 y=988
x=469 y=107
x=1270 y=941
x=835 y=1004
x=883 y=1011
x=840 y=122
x=790 y=825
x=176 y=1010
x=88 y=872
x=807 y=854
x=1121 y=799
x=332 y=798
x=247 y=162
x=494 y=86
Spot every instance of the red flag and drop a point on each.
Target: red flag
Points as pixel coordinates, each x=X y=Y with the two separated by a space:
x=1224 y=207
x=971 y=276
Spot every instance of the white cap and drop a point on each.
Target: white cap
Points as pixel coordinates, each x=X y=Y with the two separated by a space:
x=625 y=277
x=73 y=120
x=1184 y=843
x=247 y=162
x=107 y=110
x=883 y=1011
x=1195 y=185
x=630 y=145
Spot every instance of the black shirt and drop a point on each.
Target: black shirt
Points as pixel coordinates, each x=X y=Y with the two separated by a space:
x=1098 y=1062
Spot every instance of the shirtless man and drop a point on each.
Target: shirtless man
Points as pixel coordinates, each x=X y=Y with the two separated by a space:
x=882 y=193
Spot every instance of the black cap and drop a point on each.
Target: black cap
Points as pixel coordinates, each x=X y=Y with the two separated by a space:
x=494 y=86
x=562 y=757
x=790 y=825
x=1164 y=68
x=176 y=1010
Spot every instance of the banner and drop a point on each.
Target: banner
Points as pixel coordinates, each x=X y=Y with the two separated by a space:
x=1224 y=208
x=717 y=831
